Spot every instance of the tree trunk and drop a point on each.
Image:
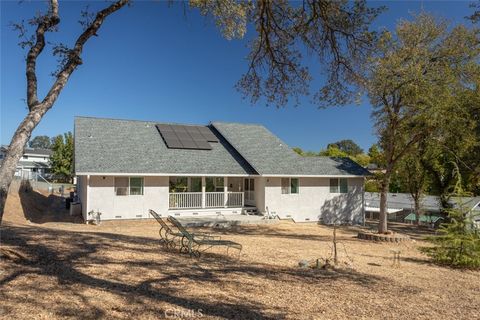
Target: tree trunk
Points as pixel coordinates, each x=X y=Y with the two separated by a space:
x=416 y=200
x=15 y=151
x=382 y=219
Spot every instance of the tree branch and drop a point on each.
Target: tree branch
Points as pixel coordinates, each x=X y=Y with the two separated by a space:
x=45 y=24
x=74 y=59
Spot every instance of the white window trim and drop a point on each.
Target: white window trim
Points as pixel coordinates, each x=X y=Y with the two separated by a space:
x=338 y=185
x=289 y=186
x=128 y=187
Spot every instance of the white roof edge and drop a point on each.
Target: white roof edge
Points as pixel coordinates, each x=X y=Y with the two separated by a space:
x=311 y=176
x=161 y=174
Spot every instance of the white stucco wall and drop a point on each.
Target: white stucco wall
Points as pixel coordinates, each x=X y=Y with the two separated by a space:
x=314 y=201
x=82 y=193
x=102 y=198
x=260 y=194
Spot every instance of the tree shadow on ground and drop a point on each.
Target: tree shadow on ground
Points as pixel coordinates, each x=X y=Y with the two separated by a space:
x=71 y=264
x=414 y=232
x=267 y=231
x=40 y=208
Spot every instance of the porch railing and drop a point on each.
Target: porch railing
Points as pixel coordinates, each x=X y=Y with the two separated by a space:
x=180 y=200
x=193 y=200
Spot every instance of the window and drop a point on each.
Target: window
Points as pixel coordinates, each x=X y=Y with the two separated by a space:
x=178 y=184
x=125 y=186
x=219 y=184
x=339 y=185
x=121 y=186
x=343 y=185
x=294 y=185
x=285 y=185
x=196 y=184
x=136 y=186
x=214 y=184
x=290 y=186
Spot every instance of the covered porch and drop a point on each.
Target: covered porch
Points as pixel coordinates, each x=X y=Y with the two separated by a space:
x=210 y=192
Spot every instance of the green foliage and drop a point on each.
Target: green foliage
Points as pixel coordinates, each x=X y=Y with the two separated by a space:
x=333 y=151
x=416 y=76
x=42 y=142
x=458 y=244
x=348 y=146
x=376 y=156
x=61 y=160
x=372 y=185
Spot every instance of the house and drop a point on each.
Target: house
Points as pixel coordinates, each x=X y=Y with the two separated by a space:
x=126 y=167
x=34 y=161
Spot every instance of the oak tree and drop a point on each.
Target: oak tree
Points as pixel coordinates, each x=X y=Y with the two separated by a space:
x=415 y=75
x=335 y=32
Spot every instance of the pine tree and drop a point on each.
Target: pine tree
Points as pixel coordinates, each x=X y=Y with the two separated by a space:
x=458 y=244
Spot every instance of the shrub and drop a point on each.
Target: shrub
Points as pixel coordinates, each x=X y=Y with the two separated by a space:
x=458 y=244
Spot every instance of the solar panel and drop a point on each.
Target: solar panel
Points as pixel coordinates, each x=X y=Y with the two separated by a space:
x=164 y=127
x=208 y=134
x=203 y=145
x=188 y=144
x=186 y=137
x=174 y=143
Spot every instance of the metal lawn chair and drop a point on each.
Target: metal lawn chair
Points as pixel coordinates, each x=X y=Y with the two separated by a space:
x=168 y=237
x=194 y=243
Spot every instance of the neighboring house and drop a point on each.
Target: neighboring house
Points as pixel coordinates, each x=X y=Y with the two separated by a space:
x=400 y=206
x=34 y=161
x=125 y=167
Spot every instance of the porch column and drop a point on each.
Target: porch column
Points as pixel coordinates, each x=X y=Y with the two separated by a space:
x=203 y=191
x=225 y=191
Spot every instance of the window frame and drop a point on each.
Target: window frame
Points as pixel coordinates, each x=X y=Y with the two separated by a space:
x=287 y=188
x=341 y=188
x=142 y=184
x=129 y=186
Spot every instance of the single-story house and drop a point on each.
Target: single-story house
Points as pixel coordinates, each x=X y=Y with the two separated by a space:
x=124 y=168
x=34 y=161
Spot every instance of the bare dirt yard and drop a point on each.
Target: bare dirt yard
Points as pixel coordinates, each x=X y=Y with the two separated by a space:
x=54 y=267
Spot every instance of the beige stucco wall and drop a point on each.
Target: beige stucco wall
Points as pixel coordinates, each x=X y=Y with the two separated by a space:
x=314 y=201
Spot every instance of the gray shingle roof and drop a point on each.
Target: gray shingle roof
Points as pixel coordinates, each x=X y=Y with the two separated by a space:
x=125 y=146
x=269 y=155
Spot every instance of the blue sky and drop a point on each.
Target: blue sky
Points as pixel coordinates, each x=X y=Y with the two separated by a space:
x=151 y=62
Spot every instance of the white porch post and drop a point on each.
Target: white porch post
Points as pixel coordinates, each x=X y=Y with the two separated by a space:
x=225 y=191
x=203 y=192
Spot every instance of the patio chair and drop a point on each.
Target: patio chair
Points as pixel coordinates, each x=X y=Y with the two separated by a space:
x=167 y=235
x=192 y=243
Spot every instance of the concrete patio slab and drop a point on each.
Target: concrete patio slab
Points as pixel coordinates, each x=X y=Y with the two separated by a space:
x=224 y=221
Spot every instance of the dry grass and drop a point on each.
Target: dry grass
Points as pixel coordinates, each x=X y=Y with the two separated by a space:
x=54 y=268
